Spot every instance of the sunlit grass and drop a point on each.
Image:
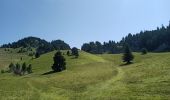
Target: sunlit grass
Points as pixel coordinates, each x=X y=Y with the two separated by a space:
x=95 y=77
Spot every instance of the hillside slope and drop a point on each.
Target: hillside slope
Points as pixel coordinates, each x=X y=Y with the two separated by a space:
x=95 y=77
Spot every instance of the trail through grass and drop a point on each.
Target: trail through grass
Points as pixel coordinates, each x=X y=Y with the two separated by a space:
x=90 y=77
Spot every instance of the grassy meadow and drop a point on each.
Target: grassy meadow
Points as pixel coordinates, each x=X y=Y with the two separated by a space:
x=90 y=77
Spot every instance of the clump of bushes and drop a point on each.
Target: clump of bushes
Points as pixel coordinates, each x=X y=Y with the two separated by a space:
x=18 y=69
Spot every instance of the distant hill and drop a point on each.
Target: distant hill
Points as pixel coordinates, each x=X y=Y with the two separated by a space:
x=26 y=42
x=41 y=45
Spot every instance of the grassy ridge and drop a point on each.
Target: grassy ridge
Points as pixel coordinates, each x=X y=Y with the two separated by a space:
x=94 y=77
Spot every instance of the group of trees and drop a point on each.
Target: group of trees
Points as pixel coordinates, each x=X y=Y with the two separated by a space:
x=153 y=41
x=99 y=48
x=20 y=69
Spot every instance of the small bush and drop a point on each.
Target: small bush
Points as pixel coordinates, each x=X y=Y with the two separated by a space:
x=2 y=71
x=144 y=51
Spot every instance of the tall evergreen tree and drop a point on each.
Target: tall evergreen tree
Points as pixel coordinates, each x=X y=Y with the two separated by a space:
x=37 y=55
x=68 y=53
x=17 y=70
x=24 y=68
x=59 y=62
x=127 y=56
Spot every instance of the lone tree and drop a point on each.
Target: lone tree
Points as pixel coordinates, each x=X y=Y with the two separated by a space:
x=144 y=51
x=37 y=55
x=75 y=52
x=127 y=56
x=59 y=62
x=68 y=53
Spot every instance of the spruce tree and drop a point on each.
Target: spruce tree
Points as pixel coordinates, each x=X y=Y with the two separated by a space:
x=17 y=70
x=24 y=68
x=127 y=56
x=37 y=55
x=59 y=62
x=68 y=53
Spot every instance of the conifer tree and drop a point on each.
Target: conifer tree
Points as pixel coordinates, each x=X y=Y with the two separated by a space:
x=24 y=68
x=59 y=62
x=127 y=56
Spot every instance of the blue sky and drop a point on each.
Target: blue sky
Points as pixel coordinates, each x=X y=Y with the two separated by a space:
x=80 y=21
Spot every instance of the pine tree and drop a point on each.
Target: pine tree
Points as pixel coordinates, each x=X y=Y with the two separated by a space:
x=128 y=56
x=59 y=62
x=24 y=68
x=37 y=55
x=17 y=70
x=68 y=53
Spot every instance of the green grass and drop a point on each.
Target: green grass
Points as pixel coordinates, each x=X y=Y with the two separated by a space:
x=6 y=57
x=90 y=77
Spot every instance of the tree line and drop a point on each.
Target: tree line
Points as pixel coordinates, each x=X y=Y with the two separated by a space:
x=153 y=41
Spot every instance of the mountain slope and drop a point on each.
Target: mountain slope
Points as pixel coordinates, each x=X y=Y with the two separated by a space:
x=95 y=77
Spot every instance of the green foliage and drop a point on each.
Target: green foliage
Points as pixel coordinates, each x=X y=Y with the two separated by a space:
x=154 y=41
x=127 y=56
x=22 y=50
x=42 y=46
x=11 y=67
x=68 y=53
x=75 y=52
x=29 y=69
x=2 y=71
x=144 y=51
x=37 y=55
x=60 y=45
x=59 y=62
x=20 y=70
x=17 y=69
x=24 y=68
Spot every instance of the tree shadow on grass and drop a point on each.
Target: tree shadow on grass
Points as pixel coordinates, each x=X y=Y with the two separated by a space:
x=126 y=64
x=50 y=72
